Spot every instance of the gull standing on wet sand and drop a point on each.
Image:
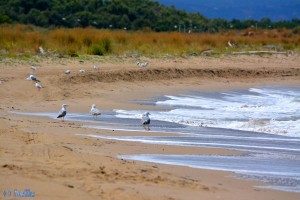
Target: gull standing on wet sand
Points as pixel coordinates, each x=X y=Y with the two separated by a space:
x=146 y=121
x=94 y=111
x=63 y=112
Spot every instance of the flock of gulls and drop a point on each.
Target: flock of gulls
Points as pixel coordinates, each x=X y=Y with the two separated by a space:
x=145 y=120
x=32 y=77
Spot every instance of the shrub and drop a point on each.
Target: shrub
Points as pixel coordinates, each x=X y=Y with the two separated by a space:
x=101 y=48
x=106 y=45
x=72 y=53
x=97 y=50
x=296 y=30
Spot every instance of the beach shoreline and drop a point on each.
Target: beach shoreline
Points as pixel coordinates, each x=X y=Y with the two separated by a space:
x=45 y=156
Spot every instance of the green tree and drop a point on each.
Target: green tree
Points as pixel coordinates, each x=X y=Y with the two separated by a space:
x=133 y=14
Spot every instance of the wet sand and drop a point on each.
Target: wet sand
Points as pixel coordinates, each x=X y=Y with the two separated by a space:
x=45 y=156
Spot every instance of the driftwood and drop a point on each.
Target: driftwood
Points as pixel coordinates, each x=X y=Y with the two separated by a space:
x=262 y=52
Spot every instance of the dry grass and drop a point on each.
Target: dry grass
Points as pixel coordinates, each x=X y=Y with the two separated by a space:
x=26 y=39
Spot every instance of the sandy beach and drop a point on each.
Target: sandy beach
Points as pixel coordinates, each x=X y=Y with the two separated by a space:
x=48 y=158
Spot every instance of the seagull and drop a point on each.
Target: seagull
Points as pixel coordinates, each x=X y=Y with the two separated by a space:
x=68 y=71
x=62 y=112
x=33 y=68
x=81 y=70
x=94 y=111
x=142 y=64
x=146 y=121
x=42 y=51
x=95 y=67
x=32 y=78
x=38 y=86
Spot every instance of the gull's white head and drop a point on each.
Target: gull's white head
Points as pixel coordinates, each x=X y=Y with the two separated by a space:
x=94 y=106
x=147 y=114
x=29 y=77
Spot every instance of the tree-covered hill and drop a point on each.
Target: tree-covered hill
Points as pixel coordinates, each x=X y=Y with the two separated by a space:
x=120 y=14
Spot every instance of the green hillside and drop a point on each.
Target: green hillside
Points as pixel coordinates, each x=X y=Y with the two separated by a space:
x=120 y=14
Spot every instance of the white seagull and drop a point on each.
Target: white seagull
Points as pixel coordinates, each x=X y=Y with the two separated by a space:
x=42 y=51
x=68 y=71
x=81 y=70
x=95 y=67
x=146 y=121
x=142 y=64
x=94 y=111
x=33 y=68
x=32 y=78
x=63 y=112
x=38 y=86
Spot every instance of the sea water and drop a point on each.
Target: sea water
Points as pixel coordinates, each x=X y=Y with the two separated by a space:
x=274 y=110
x=264 y=122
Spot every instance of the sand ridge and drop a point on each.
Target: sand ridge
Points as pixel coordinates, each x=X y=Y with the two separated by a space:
x=178 y=73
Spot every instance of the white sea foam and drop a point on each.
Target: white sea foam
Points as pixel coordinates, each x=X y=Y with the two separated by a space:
x=269 y=110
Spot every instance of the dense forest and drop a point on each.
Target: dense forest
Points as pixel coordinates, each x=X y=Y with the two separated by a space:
x=122 y=14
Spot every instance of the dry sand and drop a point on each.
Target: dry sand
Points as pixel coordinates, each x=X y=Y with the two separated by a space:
x=45 y=155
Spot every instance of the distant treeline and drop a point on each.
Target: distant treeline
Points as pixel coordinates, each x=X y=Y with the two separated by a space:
x=122 y=14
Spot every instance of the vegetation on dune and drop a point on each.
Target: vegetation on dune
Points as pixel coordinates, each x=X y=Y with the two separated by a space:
x=130 y=27
x=26 y=40
x=122 y=14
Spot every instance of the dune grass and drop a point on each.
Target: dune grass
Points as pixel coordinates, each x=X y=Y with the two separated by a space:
x=26 y=40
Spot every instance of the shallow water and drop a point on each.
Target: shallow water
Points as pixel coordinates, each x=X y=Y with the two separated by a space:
x=272 y=159
x=231 y=120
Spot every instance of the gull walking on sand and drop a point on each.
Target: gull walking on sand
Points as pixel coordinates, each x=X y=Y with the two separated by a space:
x=142 y=64
x=38 y=86
x=33 y=68
x=146 y=121
x=94 y=111
x=63 y=112
x=32 y=78
x=95 y=68
x=68 y=71
x=81 y=70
